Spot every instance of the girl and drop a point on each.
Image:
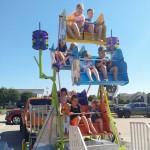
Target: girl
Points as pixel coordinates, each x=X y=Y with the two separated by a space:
x=89 y=67
x=76 y=118
x=95 y=117
x=76 y=22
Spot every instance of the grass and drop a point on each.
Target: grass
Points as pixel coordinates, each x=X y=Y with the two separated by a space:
x=3 y=111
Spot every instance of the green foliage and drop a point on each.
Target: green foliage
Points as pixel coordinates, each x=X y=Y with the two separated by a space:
x=122 y=100
x=91 y=97
x=13 y=95
x=3 y=95
x=25 y=96
x=8 y=96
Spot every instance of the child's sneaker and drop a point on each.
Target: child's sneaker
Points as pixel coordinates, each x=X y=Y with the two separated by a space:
x=99 y=40
x=105 y=79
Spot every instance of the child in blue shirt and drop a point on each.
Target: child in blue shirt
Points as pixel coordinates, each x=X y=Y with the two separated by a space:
x=91 y=27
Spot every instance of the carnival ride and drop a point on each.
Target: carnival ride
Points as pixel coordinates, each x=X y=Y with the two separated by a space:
x=56 y=132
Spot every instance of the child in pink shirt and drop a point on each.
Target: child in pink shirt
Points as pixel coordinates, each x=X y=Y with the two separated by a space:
x=76 y=22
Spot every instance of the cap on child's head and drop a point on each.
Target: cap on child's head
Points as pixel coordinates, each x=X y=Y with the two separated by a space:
x=102 y=48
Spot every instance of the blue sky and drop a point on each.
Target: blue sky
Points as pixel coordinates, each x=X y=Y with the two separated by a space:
x=129 y=20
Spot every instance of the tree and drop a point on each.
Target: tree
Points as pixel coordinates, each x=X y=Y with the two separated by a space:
x=13 y=95
x=121 y=99
x=3 y=96
x=8 y=96
x=25 y=96
x=91 y=97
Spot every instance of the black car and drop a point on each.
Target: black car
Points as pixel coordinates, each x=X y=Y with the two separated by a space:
x=133 y=109
x=113 y=108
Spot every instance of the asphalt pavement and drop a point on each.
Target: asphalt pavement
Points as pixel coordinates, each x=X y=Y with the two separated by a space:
x=10 y=133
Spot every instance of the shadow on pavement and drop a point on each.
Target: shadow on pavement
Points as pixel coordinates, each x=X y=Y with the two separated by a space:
x=2 y=121
x=13 y=138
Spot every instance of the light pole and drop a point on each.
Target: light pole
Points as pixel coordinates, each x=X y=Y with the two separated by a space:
x=47 y=91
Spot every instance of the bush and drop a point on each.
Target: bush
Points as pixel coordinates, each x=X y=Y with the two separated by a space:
x=10 y=107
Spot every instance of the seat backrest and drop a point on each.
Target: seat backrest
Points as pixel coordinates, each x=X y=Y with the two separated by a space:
x=84 y=108
x=83 y=100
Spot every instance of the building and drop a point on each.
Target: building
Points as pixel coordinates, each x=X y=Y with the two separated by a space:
x=135 y=97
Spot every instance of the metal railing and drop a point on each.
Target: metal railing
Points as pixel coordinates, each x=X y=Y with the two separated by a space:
x=140 y=135
x=38 y=114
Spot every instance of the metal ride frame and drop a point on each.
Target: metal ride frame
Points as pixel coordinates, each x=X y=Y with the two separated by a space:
x=55 y=103
x=101 y=91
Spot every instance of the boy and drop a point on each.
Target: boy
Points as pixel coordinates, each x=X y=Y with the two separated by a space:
x=90 y=27
x=104 y=64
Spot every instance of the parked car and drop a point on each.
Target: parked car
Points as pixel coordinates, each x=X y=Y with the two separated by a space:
x=113 y=108
x=13 y=116
x=133 y=109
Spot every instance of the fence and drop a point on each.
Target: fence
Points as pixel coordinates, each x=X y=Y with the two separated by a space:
x=38 y=114
x=140 y=135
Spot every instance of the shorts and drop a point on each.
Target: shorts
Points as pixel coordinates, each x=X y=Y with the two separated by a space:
x=99 y=70
x=73 y=122
x=94 y=117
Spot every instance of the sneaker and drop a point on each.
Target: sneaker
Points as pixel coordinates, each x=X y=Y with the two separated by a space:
x=105 y=79
x=99 y=40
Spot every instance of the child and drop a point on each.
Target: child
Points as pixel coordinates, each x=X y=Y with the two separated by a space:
x=104 y=64
x=61 y=52
x=76 y=22
x=75 y=118
x=89 y=67
x=90 y=27
x=64 y=97
x=68 y=56
x=95 y=117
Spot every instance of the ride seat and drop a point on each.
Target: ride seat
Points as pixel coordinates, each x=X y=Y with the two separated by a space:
x=86 y=37
x=83 y=130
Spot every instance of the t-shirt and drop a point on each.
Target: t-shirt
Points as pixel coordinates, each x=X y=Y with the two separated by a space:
x=87 y=64
x=75 y=110
x=77 y=18
x=98 y=61
x=63 y=49
x=87 y=24
x=94 y=116
x=64 y=100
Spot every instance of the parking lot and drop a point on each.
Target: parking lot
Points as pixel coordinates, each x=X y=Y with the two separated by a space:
x=11 y=134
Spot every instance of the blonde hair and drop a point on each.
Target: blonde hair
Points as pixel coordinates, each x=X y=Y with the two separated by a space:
x=88 y=55
x=80 y=5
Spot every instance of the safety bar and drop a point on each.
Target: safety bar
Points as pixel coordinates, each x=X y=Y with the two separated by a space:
x=89 y=113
